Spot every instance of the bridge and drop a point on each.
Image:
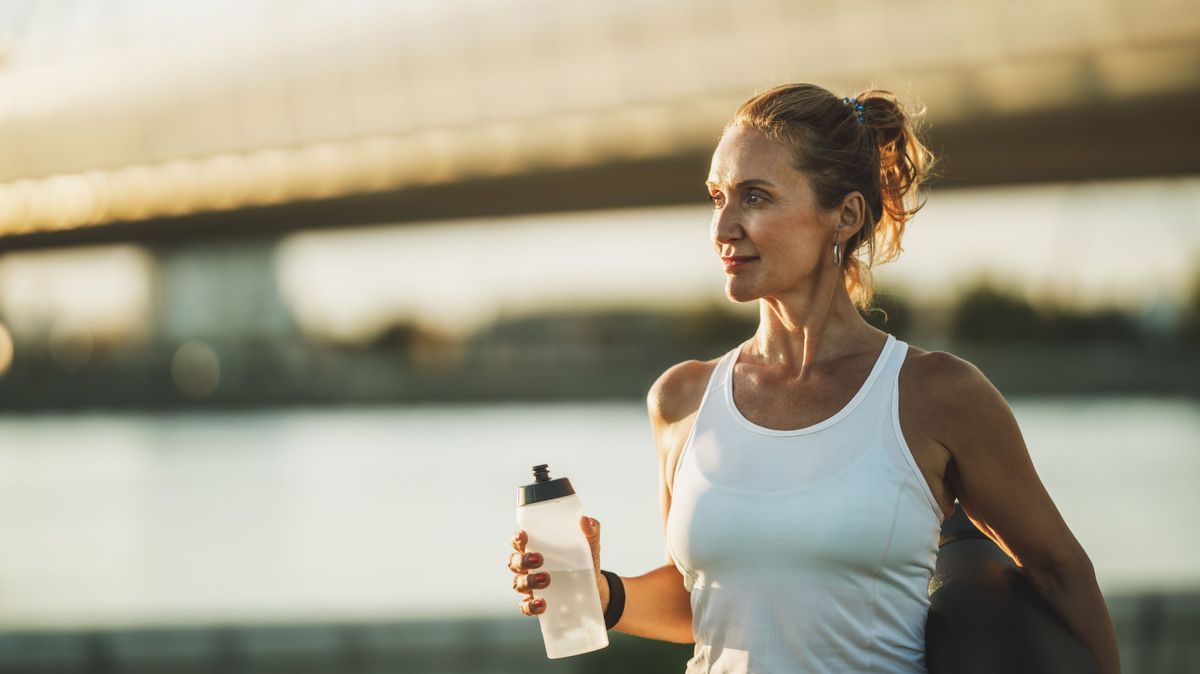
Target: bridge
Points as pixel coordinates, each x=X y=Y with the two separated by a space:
x=239 y=120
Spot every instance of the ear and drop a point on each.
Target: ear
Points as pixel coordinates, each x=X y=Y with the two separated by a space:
x=852 y=214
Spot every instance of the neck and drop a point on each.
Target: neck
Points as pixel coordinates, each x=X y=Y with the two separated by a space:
x=806 y=329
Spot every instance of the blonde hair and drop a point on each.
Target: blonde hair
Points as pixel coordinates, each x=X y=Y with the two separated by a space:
x=879 y=156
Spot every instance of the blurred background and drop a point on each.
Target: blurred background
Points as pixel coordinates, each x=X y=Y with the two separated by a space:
x=293 y=294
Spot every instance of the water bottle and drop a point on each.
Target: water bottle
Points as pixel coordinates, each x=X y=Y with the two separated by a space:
x=548 y=511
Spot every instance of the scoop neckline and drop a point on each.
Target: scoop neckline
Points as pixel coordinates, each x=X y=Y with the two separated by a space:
x=837 y=416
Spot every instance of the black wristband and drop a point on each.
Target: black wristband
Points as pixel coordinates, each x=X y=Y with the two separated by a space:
x=616 y=599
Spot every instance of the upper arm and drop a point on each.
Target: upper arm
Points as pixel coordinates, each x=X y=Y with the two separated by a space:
x=671 y=405
x=993 y=475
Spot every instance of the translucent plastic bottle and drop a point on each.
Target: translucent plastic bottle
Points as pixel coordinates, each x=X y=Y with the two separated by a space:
x=548 y=511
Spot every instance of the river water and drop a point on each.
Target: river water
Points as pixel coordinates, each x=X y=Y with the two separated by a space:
x=403 y=512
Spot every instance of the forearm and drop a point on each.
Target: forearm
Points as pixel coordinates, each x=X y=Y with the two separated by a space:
x=1074 y=593
x=656 y=606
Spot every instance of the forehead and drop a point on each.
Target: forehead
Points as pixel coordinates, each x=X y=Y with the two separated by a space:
x=745 y=154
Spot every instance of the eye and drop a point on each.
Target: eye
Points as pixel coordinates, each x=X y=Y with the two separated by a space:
x=754 y=197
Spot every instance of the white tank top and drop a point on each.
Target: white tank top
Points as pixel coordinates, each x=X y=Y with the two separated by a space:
x=807 y=550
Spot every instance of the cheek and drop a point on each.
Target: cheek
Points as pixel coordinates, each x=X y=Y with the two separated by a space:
x=789 y=250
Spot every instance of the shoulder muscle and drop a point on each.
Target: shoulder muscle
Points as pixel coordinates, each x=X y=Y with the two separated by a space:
x=992 y=473
x=676 y=394
x=968 y=399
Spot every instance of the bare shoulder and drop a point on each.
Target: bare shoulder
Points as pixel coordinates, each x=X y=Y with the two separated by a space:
x=677 y=393
x=955 y=394
x=942 y=371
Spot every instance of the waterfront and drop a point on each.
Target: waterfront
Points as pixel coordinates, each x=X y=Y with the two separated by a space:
x=384 y=513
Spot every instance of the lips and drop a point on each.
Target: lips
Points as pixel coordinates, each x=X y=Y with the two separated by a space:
x=732 y=262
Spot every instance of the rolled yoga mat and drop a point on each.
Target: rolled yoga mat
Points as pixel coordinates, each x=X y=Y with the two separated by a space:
x=986 y=618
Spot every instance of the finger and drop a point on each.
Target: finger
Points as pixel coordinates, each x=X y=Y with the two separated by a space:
x=591 y=530
x=520 y=563
x=591 y=527
x=519 y=541
x=526 y=583
x=533 y=606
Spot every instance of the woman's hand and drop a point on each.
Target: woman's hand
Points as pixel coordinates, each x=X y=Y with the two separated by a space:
x=521 y=561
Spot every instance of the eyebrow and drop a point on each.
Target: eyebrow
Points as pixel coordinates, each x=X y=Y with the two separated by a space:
x=752 y=182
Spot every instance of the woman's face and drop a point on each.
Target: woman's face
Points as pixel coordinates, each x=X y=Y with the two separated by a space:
x=767 y=227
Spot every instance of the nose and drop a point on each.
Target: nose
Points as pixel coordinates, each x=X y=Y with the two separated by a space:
x=725 y=226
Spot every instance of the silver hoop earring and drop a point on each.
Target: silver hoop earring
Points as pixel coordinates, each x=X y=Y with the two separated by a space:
x=837 y=254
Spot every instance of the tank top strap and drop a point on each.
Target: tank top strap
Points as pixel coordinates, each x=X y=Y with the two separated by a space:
x=711 y=405
x=879 y=391
x=877 y=403
x=895 y=359
x=881 y=410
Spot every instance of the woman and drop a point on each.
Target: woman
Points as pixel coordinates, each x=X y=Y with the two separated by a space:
x=806 y=473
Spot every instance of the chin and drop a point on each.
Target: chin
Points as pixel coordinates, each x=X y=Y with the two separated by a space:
x=740 y=292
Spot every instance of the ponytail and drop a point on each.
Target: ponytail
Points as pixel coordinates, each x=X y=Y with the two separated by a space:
x=904 y=161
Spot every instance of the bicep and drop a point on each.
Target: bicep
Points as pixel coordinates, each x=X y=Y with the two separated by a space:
x=995 y=480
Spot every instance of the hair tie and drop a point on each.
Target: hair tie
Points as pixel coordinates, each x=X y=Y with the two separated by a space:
x=858 y=107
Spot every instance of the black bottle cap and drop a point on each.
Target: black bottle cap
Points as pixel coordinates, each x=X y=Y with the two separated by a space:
x=543 y=488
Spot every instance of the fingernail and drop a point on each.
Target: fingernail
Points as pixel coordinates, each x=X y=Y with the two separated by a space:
x=540 y=577
x=539 y=602
x=535 y=558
